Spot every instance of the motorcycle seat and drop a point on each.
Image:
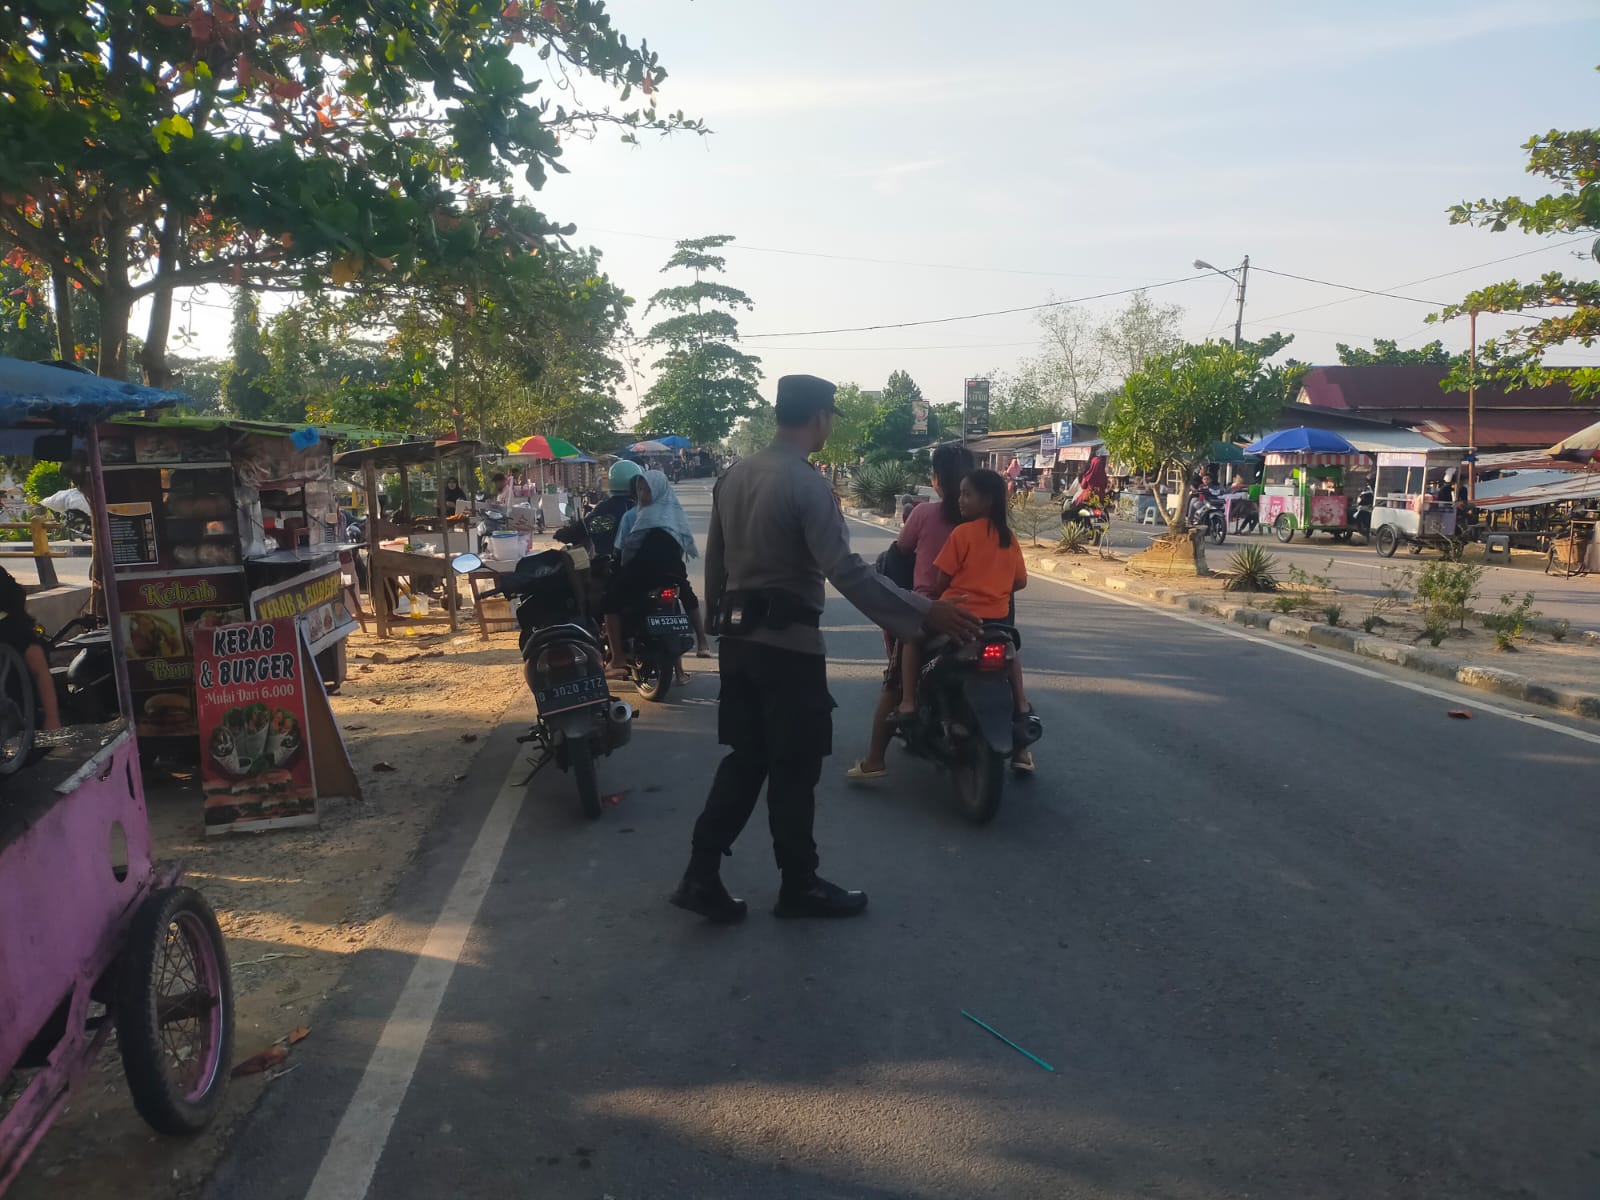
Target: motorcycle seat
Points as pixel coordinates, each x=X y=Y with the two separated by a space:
x=539 y=638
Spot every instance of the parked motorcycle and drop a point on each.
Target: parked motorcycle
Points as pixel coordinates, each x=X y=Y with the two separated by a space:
x=964 y=719
x=490 y=521
x=1207 y=510
x=86 y=687
x=1360 y=518
x=579 y=719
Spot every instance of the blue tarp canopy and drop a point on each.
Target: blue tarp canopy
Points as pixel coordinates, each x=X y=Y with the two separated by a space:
x=675 y=441
x=1301 y=440
x=64 y=398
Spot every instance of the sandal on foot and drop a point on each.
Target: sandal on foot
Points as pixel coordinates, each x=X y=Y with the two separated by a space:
x=861 y=771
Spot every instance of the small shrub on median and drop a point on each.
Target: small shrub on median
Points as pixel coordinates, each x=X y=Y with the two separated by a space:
x=1510 y=619
x=1252 y=570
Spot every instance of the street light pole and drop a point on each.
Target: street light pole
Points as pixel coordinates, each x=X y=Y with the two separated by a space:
x=1241 y=276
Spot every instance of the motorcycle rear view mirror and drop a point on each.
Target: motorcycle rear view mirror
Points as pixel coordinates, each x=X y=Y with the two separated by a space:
x=463 y=564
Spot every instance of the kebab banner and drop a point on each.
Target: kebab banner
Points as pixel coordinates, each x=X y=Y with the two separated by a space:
x=251 y=688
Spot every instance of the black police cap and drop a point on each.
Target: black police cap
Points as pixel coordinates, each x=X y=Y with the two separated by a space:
x=801 y=397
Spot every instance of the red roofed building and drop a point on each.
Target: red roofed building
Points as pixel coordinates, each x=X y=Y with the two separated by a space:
x=1527 y=419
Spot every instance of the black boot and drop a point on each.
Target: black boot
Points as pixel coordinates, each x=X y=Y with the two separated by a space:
x=813 y=896
x=702 y=892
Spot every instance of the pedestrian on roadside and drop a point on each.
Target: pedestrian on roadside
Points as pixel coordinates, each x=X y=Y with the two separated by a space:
x=776 y=539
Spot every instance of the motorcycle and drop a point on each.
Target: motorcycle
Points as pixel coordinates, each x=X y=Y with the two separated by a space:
x=1091 y=517
x=490 y=521
x=654 y=639
x=1207 y=510
x=964 y=719
x=578 y=717
x=1360 y=518
x=86 y=687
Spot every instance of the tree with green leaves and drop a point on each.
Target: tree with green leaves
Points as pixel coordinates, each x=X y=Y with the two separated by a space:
x=1022 y=399
x=1385 y=353
x=1516 y=359
x=1172 y=411
x=706 y=382
x=1139 y=332
x=755 y=432
x=244 y=380
x=893 y=426
x=852 y=426
x=157 y=145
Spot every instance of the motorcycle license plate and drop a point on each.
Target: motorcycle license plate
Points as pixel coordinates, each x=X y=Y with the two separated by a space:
x=571 y=693
x=668 y=623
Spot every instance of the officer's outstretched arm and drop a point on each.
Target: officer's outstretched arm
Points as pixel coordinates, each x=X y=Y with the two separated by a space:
x=828 y=538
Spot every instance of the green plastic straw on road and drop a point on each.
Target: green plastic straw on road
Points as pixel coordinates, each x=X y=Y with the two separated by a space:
x=1007 y=1040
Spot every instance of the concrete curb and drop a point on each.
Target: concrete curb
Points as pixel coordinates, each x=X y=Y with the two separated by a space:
x=1426 y=661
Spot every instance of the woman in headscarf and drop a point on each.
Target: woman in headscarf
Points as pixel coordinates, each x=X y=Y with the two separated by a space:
x=653 y=553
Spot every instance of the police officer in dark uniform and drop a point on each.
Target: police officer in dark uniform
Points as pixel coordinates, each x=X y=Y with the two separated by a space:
x=776 y=535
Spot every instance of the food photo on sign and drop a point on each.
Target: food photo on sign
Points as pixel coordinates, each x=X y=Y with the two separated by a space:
x=256 y=768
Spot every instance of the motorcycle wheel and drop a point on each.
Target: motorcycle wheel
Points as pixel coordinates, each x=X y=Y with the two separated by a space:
x=580 y=758
x=1284 y=528
x=1217 y=531
x=654 y=678
x=1388 y=541
x=76 y=526
x=980 y=780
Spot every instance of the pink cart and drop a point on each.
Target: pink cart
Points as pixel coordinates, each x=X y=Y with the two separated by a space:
x=94 y=936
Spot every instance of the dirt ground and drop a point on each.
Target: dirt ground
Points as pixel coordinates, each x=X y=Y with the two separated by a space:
x=295 y=905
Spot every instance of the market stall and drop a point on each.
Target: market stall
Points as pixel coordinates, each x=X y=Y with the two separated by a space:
x=218 y=521
x=406 y=553
x=1303 y=487
x=1405 y=508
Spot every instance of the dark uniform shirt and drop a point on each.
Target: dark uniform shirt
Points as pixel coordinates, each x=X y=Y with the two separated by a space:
x=603 y=522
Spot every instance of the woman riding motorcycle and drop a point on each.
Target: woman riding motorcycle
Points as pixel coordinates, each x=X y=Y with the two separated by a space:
x=1091 y=486
x=652 y=555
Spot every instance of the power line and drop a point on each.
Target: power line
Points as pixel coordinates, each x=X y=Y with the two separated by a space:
x=882 y=262
x=999 y=312
x=1349 y=288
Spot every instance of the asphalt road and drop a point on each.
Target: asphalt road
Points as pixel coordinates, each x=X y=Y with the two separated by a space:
x=1282 y=928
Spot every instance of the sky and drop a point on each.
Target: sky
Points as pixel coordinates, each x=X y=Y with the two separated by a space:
x=957 y=158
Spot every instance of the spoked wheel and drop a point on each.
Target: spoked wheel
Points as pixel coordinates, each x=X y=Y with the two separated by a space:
x=174 y=1010
x=1388 y=541
x=17 y=711
x=76 y=526
x=654 y=678
x=980 y=780
x=1284 y=528
x=1217 y=531
x=580 y=757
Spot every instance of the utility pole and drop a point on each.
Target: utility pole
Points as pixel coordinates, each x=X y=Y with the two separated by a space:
x=1472 y=408
x=1238 y=324
x=1240 y=276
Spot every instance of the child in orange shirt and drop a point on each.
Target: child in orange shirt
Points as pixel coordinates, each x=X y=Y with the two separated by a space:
x=979 y=568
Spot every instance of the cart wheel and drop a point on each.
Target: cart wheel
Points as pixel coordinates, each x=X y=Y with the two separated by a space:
x=1284 y=528
x=174 y=1011
x=1388 y=541
x=1342 y=535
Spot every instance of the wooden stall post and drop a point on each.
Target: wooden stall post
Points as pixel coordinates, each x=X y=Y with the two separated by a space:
x=452 y=598
x=375 y=588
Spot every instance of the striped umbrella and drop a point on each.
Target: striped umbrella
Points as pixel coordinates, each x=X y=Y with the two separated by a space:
x=539 y=446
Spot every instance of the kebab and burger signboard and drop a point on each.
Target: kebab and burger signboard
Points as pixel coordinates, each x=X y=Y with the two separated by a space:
x=251 y=687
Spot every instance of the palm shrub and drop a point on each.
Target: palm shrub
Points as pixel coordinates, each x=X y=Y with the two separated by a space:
x=874 y=486
x=1075 y=539
x=1252 y=569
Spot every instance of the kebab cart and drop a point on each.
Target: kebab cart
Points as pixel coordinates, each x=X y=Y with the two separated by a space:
x=1402 y=509
x=218 y=521
x=94 y=935
x=1304 y=482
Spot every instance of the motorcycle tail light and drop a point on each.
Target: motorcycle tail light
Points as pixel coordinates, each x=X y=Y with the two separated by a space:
x=558 y=658
x=667 y=595
x=993 y=656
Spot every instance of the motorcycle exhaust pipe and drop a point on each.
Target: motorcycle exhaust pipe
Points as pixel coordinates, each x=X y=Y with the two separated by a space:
x=619 y=724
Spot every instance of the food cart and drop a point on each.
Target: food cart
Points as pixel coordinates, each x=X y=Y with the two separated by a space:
x=1402 y=510
x=94 y=935
x=408 y=547
x=1303 y=484
x=220 y=521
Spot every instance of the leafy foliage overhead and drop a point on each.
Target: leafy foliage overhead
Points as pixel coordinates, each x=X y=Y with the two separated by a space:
x=1515 y=359
x=159 y=144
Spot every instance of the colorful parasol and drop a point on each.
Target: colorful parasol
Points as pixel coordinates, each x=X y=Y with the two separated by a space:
x=1581 y=447
x=539 y=446
x=649 y=448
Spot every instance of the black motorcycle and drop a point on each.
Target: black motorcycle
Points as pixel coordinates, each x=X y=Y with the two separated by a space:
x=1092 y=518
x=655 y=638
x=964 y=719
x=1360 y=519
x=1207 y=511
x=578 y=717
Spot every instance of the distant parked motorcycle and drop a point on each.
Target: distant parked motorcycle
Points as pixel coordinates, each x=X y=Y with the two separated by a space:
x=964 y=719
x=579 y=719
x=1207 y=510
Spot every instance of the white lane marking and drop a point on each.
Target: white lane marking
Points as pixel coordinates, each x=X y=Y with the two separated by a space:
x=358 y=1143
x=1541 y=722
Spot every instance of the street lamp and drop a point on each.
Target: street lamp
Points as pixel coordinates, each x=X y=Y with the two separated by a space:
x=1240 y=275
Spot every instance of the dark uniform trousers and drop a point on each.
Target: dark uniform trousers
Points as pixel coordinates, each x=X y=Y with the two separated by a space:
x=775 y=716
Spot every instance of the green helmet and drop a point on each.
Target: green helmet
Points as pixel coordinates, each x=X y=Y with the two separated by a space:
x=623 y=472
